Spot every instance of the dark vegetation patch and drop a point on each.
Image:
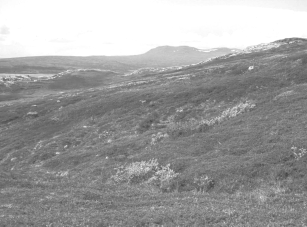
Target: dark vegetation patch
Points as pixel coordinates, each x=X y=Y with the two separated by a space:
x=9 y=97
x=79 y=80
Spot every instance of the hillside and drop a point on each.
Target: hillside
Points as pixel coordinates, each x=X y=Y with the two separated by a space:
x=218 y=143
x=158 y=57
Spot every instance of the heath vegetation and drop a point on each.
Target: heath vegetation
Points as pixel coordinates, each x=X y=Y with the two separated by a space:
x=219 y=143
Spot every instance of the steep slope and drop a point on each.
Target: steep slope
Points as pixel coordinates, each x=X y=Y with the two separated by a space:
x=235 y=124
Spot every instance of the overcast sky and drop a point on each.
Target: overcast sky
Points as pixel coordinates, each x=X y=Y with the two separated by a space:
x=125 y=27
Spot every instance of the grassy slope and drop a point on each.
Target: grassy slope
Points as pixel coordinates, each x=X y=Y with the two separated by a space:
x=54 y=165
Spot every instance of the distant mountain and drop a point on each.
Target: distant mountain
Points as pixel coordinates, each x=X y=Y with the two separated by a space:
x=180 y=50
x=163 y=56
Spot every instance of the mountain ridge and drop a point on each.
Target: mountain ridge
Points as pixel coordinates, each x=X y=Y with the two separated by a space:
x=122 y=64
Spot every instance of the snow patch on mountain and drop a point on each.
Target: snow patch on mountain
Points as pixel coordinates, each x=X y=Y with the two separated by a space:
x=207 y=51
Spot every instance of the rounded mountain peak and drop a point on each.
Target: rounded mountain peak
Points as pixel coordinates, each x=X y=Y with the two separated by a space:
x=172 y=50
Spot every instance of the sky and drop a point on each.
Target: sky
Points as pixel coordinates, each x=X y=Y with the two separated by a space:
x=128 y=27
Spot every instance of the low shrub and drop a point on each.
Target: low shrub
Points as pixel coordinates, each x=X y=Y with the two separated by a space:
x=145 y=172
x=298 y=153
x=204 y=183
x=145 y=124
x=155 y=138
x=176 y=129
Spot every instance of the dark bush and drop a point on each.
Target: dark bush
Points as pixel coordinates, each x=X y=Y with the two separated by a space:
x=147 y=122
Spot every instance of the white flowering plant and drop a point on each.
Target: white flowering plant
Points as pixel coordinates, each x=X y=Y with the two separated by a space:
x=195 y=124
x=155 y=138
x=298 y=153
x=145 y=172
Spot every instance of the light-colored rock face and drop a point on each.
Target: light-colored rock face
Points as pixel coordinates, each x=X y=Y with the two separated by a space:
x=10 y=79
x=263 y=46
x=257 y=48
x=33 y=114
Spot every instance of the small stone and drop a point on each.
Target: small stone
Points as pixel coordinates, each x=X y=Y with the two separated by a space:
x=32 y=114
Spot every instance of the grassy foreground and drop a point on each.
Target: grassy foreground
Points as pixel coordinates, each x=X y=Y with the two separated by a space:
x=64 y=204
